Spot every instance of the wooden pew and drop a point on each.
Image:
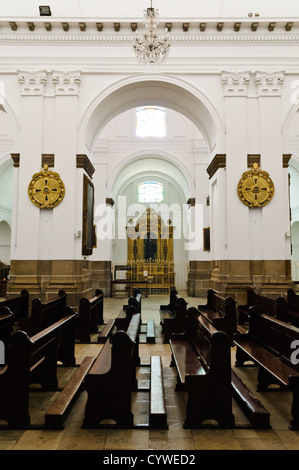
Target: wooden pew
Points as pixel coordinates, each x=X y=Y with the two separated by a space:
x=176 y=323
x=202 y=357
x=106 y=331
x=220 y=312
x=90 y=315
x=59 y=410
x=112 y=378
x=269 y=343
x=43 y=314
x=7 y=319
x=135 y=301
x=273 y=308
x=19 y=305
x=29 y=360
x=168 y=311
x=292 y=308
x=251 y=406
x=124 y=317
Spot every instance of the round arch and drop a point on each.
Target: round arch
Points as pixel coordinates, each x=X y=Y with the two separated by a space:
x=165 y=91
x=159 y=163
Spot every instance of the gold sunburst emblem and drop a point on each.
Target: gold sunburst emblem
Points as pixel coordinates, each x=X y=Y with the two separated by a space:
x=255 y=188
x=46 y=189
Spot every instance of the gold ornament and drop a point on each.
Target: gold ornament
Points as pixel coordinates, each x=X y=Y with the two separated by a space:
x=255 y=188
x=46 y=189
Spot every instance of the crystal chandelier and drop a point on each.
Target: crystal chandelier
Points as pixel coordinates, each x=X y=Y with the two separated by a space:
x=150 y=48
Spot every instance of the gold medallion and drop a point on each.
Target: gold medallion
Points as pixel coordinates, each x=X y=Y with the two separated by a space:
x=46 y=189
x=255 y=188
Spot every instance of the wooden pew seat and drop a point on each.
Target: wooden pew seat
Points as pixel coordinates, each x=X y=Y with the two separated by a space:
x=57 y=413
x=268 y=344
x=112 y=378
x=202 y=358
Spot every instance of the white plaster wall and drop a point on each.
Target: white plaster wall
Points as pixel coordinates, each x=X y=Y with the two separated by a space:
x=111 y=82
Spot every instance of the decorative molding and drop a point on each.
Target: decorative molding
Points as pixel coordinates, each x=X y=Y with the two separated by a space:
x=235 y=83
x=109 y=201
x=191 y=202
x=127 y=39
x=285 y=160
x=32 y=83
x=219 y=161
x=253 y=158
x=269 y=83
x=16 y=159
x=84 y=162
x=66 y=83
x=48 y=159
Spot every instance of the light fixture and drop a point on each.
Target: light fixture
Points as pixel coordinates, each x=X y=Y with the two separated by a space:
x=150 y=48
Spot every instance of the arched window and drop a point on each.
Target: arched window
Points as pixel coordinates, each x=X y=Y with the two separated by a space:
x=150 y=122
x=150 y=192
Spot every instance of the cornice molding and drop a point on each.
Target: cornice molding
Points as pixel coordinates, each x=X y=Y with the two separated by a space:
x=128 y=38
x=84 y=162
x=219 y=161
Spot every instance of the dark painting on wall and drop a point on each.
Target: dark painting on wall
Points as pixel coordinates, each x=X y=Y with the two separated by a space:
x=88 y=216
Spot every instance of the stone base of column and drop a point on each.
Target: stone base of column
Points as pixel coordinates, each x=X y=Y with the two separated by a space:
x=44 y=278
x=198 y=278
x=101 y=276
x=233 y=278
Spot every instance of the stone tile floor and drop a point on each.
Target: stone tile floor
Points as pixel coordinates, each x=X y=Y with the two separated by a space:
x=73 y=437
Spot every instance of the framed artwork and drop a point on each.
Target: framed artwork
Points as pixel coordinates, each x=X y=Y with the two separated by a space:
x=88 y=232
x=206 y=239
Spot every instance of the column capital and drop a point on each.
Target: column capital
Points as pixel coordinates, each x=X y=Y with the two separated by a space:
x=235 y=83
x=269 y=83
x=32 y=83
x=66 y=83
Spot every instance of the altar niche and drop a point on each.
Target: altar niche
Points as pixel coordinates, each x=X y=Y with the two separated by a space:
x=150 y=252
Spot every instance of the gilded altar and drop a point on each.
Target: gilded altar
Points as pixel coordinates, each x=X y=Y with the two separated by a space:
x=150 y=253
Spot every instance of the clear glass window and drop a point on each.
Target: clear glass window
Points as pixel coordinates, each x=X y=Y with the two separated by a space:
x=150 y=192
x=150 y=122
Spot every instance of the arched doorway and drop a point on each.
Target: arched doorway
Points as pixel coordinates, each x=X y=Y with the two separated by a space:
x=118 y=165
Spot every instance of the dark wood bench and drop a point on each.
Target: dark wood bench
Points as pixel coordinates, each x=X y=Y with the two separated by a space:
x=90 y=315
x=220 y=312
x=168 y=311
x=7 y=319
x=43 y=314
x=29 y=360
x=292 y=308
x=173 y=315
x=202 y=357
x=124 y=317
x=112 y=378
x=272 y=307
x=19 y=305
x=269 y=343
x=59 y=410
x=134 y=301
x=106 y=331
x=251 y=406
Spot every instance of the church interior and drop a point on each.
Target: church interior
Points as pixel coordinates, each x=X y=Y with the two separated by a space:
x=149 y=225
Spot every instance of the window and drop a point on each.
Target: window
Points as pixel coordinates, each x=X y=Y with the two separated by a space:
x=150 y=122
x=150 y=192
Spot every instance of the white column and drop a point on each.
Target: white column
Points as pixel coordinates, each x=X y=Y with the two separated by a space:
x=234 y=239
x=273 y=221
x=26 y=225
x=69 y=212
